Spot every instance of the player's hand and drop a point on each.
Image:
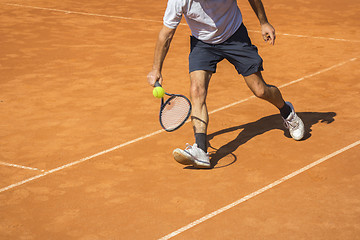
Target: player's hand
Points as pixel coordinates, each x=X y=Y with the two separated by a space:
x=154 y=76
x=268 y=33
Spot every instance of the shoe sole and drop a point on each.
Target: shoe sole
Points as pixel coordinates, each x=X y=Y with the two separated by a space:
x=202 y=166
x=180 y=158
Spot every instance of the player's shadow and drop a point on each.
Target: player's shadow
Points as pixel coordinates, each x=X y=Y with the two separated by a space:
x=263 y=125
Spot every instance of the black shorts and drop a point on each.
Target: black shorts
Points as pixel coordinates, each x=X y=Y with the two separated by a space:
x=238 y=50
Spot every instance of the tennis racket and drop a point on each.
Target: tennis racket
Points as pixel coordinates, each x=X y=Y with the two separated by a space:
x=174 y=111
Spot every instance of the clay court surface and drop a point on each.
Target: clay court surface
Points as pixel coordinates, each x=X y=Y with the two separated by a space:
x=82 y=154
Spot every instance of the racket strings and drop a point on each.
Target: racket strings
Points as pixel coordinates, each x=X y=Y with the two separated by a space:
x=175 y=112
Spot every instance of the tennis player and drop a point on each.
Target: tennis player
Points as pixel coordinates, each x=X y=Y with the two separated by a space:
x=218 y=33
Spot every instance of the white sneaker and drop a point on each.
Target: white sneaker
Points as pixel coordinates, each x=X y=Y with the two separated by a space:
x=192 y=155
x=294 y=124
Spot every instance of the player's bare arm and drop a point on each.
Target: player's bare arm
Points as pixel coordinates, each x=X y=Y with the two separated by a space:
x=267 y=30
x=162 y=46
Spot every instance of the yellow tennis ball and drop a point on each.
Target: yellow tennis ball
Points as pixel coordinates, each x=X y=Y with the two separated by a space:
x=158 y=92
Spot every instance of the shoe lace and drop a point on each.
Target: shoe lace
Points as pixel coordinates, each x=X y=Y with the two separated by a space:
x=190 y=149
x=188 y=146
x=291 y=124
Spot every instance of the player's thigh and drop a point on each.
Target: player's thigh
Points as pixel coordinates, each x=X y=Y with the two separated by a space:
x=239 y=51
x=203 y=56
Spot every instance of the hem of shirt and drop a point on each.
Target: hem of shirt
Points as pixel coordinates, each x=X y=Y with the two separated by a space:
x=169 y=26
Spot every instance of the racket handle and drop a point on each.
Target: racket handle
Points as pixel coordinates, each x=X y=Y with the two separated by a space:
x=157 y=84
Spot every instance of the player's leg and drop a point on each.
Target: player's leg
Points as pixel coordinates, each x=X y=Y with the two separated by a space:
x=196 y=154
x=264 y=91
x=202 y=64
x=199 y=116
x=244 y=56
x=273 y=95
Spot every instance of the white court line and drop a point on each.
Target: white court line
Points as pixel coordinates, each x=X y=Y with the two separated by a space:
x=79 y=161
x=155 y=133
x=254 y=194
x=305 y=36
x=80 y=13
x=319 y=72
x=158 y=21
x=325 y=38
x=19 y=166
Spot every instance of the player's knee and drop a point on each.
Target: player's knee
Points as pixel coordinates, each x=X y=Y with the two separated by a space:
x=260 y=93
x=197 y=92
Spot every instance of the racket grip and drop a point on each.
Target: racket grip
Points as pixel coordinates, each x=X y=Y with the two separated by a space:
x=157 y=84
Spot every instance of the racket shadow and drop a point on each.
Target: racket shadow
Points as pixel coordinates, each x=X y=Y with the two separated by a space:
x=261 y=126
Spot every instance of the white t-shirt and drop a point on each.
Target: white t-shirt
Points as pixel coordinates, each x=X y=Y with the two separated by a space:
x=211 y=21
